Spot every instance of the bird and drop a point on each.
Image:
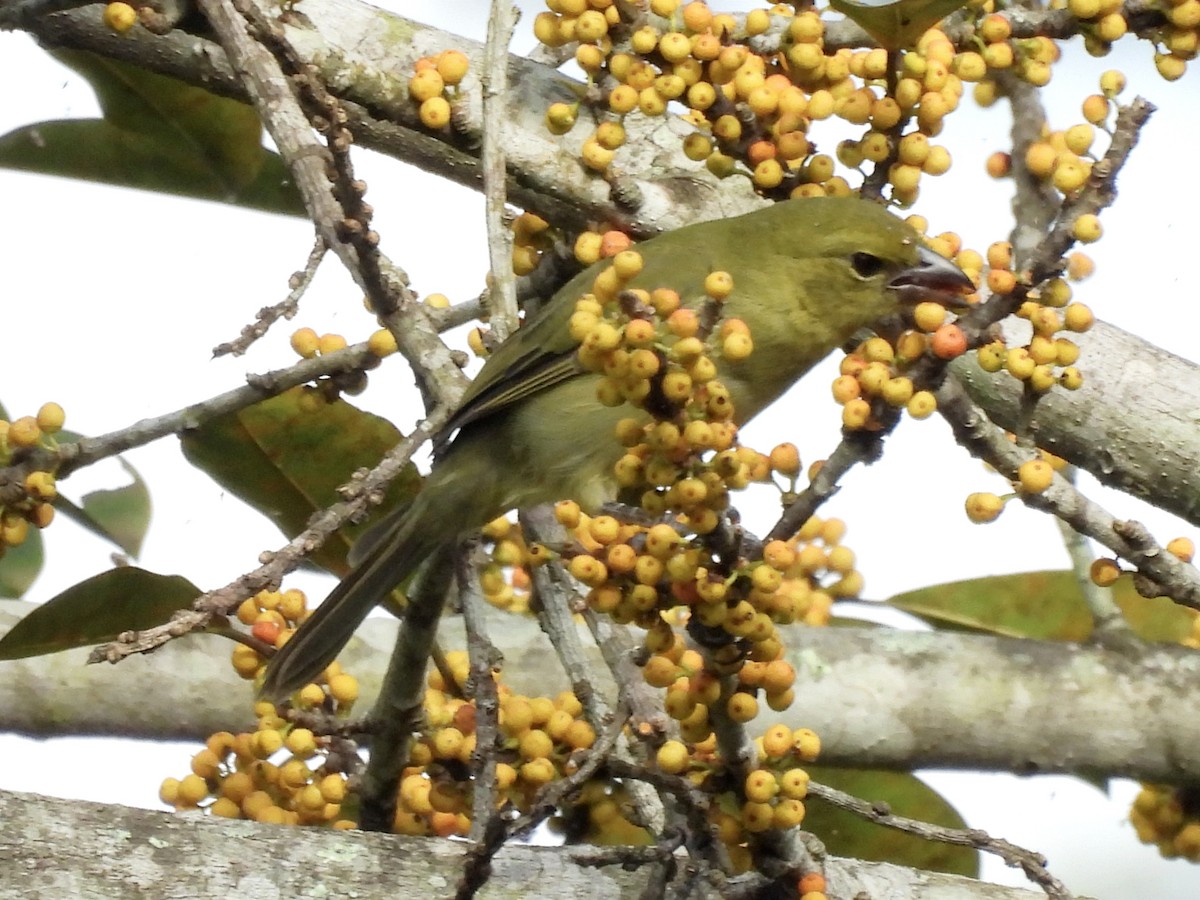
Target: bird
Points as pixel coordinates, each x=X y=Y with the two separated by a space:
x=807 y=274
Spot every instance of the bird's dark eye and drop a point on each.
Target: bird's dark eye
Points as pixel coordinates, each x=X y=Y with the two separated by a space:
x=866 y=264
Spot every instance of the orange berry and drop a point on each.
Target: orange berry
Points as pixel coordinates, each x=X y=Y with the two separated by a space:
x=948 y=342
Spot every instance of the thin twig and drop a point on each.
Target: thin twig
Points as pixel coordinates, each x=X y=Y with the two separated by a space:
x=548 y=799
x=69 y=457
x=400 y=708
x=484 y=659
x=1031 y=862
x=270 y=91
x=285 y=309
x=777 y=849
x=224 y=600
x=651 y=724
x=1109 y=621
x=557 y=619
x=691 y=801
x=1170 y=575
x=502 y=301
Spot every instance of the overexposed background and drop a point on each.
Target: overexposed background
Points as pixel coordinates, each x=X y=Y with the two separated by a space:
x=129 y=292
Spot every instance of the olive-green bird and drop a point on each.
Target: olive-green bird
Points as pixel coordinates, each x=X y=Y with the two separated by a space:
x=807 y=275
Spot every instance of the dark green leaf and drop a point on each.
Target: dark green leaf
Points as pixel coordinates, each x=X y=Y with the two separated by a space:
x=1043 y=605
x=20 y=565
x=287 y=461
x=97 y=610
x=846 y=834
x=157 y=134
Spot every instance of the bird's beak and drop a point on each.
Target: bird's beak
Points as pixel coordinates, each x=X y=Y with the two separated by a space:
x=933 y=278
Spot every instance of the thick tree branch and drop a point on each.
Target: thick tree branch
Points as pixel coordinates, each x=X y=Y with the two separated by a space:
x=69 y=848
x=366 y=55
x=878 y=697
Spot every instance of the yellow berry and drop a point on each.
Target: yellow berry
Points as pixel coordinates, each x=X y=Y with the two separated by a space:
x=168 y=791
x=776 y=743
x=534 y=744
x=425 y=85
x=983 y=507
x=718 y=285
x=761 y=786
x=120 y=17
x=1111 y=28
x=50 y=417
x=741 y=707
x=24 y=432
x=1040 y=158
x=1078 y=318
x=1104 y=572
x=928 y=316
x=757 y=22
x=806 y=743
x=595 y=156
x=382 y=343
x=660 y=671
x=1182 y=548
x=1035 y=475
x=921 y=405
x=41 y=485
x=452 y=66
x=788 y=814
x=1096 y=109
x=737 y=346
x=793 y=784
x=310 y=696
x=330 y=343
x=785 y=459
x=192 y=789
x=1170 y=66
x=999 y=164
x=1080 y=266
x=343 y=687
x=856 y=413
x=1070 y=174
x=1078 y=138
x=757 y=817
x=301 y=743
x=672 y=757
x=623 y=99
x=1087 y=228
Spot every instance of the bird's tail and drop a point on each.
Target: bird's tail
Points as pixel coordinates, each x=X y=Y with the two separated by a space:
x=394 y=556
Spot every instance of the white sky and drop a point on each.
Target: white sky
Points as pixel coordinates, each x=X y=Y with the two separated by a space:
x=132 y=290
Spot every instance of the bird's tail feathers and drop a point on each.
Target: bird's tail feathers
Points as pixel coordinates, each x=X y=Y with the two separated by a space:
x=394 y=555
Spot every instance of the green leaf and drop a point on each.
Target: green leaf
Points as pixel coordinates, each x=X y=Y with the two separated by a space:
x=97 y=610
x=846 y=834
x=287 y=460
x=1043 y=605
x=897 y=24
x=21 y=565
x=157 y=134
x=121 y=515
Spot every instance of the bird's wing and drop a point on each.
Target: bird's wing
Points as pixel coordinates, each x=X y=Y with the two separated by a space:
x=534 y=374
x=537 y=356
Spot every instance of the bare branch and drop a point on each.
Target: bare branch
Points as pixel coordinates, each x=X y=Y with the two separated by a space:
x=1033 y=864
x=494 y=83
x=285 y=309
